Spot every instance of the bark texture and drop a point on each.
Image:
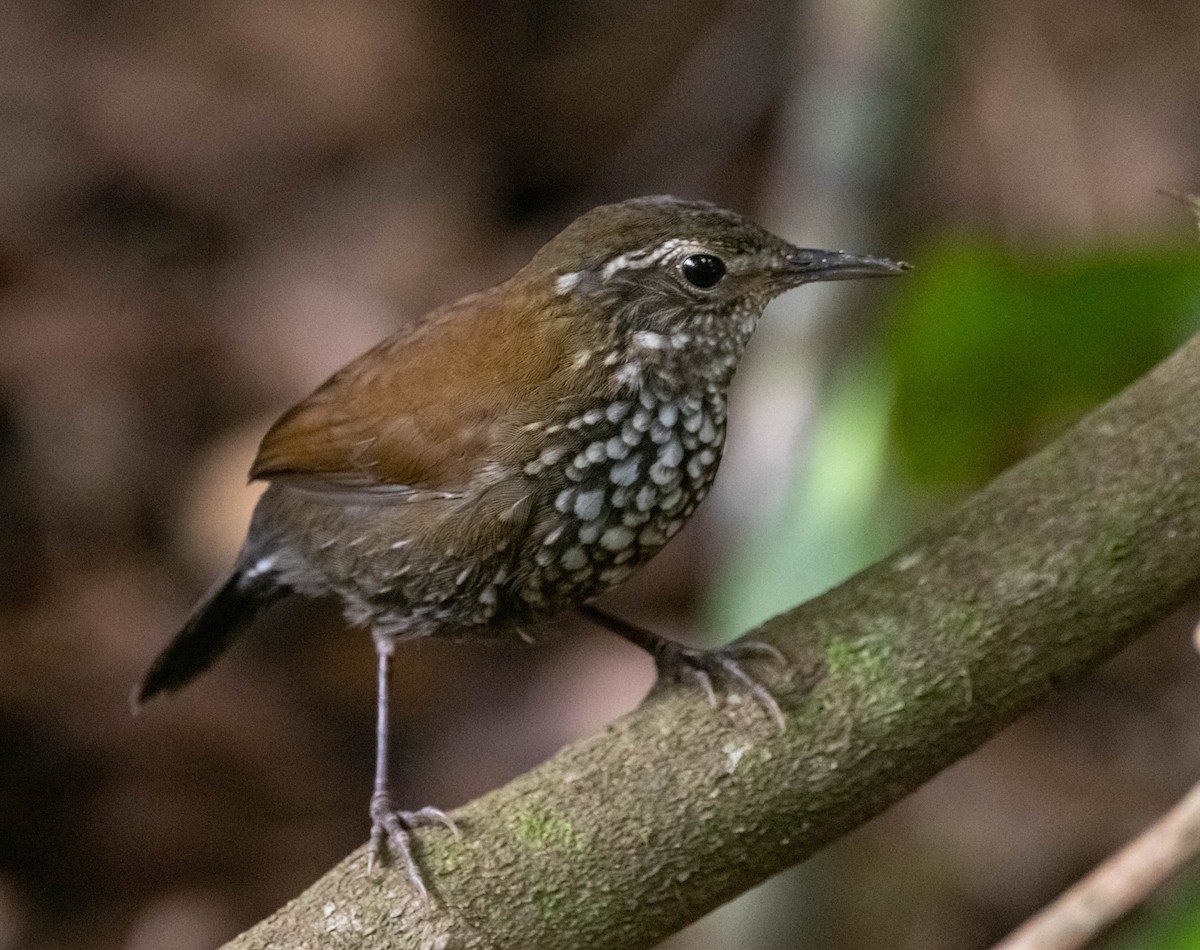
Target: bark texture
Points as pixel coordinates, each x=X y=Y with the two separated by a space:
x=624 y=838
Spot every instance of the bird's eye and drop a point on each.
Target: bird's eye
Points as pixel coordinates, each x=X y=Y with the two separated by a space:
x=702 y=270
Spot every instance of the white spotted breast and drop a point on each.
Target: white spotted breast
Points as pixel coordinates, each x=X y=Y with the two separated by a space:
x=618 y=483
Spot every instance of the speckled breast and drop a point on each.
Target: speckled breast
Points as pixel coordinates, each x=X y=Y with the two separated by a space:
x=622 y=481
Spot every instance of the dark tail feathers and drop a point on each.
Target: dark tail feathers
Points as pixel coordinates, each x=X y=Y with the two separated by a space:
x=215 y=622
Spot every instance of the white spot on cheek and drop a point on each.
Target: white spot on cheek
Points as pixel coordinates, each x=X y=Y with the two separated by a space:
x=567 y=282
x=260 y=567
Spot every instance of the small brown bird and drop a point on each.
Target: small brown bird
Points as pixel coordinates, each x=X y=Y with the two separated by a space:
x=516 y=453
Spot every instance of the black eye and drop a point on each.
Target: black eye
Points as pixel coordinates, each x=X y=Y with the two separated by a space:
x=702 y=270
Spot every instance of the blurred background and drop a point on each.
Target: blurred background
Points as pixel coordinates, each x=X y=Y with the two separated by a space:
x=207 y=208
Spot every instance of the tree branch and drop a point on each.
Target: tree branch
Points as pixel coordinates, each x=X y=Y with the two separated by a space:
x=624 y=838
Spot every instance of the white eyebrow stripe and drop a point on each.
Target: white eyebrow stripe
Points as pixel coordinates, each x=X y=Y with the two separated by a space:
x=640 y=259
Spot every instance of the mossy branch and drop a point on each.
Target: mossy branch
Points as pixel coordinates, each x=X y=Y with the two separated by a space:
x=624 y=838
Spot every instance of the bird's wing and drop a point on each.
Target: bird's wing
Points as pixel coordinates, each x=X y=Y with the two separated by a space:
x=422 y=410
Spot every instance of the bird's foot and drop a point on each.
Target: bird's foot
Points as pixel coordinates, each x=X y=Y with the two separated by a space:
x=390 y=833
x=679 y=663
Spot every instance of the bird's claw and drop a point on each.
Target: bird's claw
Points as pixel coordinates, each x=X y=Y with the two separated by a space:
x=679 y=663
x=390 y=833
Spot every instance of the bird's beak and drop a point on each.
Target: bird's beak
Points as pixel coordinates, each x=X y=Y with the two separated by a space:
x=804 y=265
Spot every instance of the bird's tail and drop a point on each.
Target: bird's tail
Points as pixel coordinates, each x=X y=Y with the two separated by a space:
x=220 y=616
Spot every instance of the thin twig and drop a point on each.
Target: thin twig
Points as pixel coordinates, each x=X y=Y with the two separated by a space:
x=1191 y=202
x=1116 y=886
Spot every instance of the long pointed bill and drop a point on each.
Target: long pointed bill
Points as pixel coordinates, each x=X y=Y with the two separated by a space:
x=804 y=265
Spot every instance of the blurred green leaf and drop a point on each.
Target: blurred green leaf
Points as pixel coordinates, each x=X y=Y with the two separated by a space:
x=988 y=356
x=829 y=524
x=1172 y=923
x=994 y=353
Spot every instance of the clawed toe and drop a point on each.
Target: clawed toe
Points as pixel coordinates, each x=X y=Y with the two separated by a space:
x=427 y=816
x=692 y=673
x=701 y=667
x=679 y=663
x=390 y=833
x=755 y=649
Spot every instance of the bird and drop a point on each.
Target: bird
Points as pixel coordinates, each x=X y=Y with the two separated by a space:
x=513 y=455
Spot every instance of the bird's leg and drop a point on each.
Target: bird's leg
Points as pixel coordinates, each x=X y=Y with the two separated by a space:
x=388 y=824
x=679 y=663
